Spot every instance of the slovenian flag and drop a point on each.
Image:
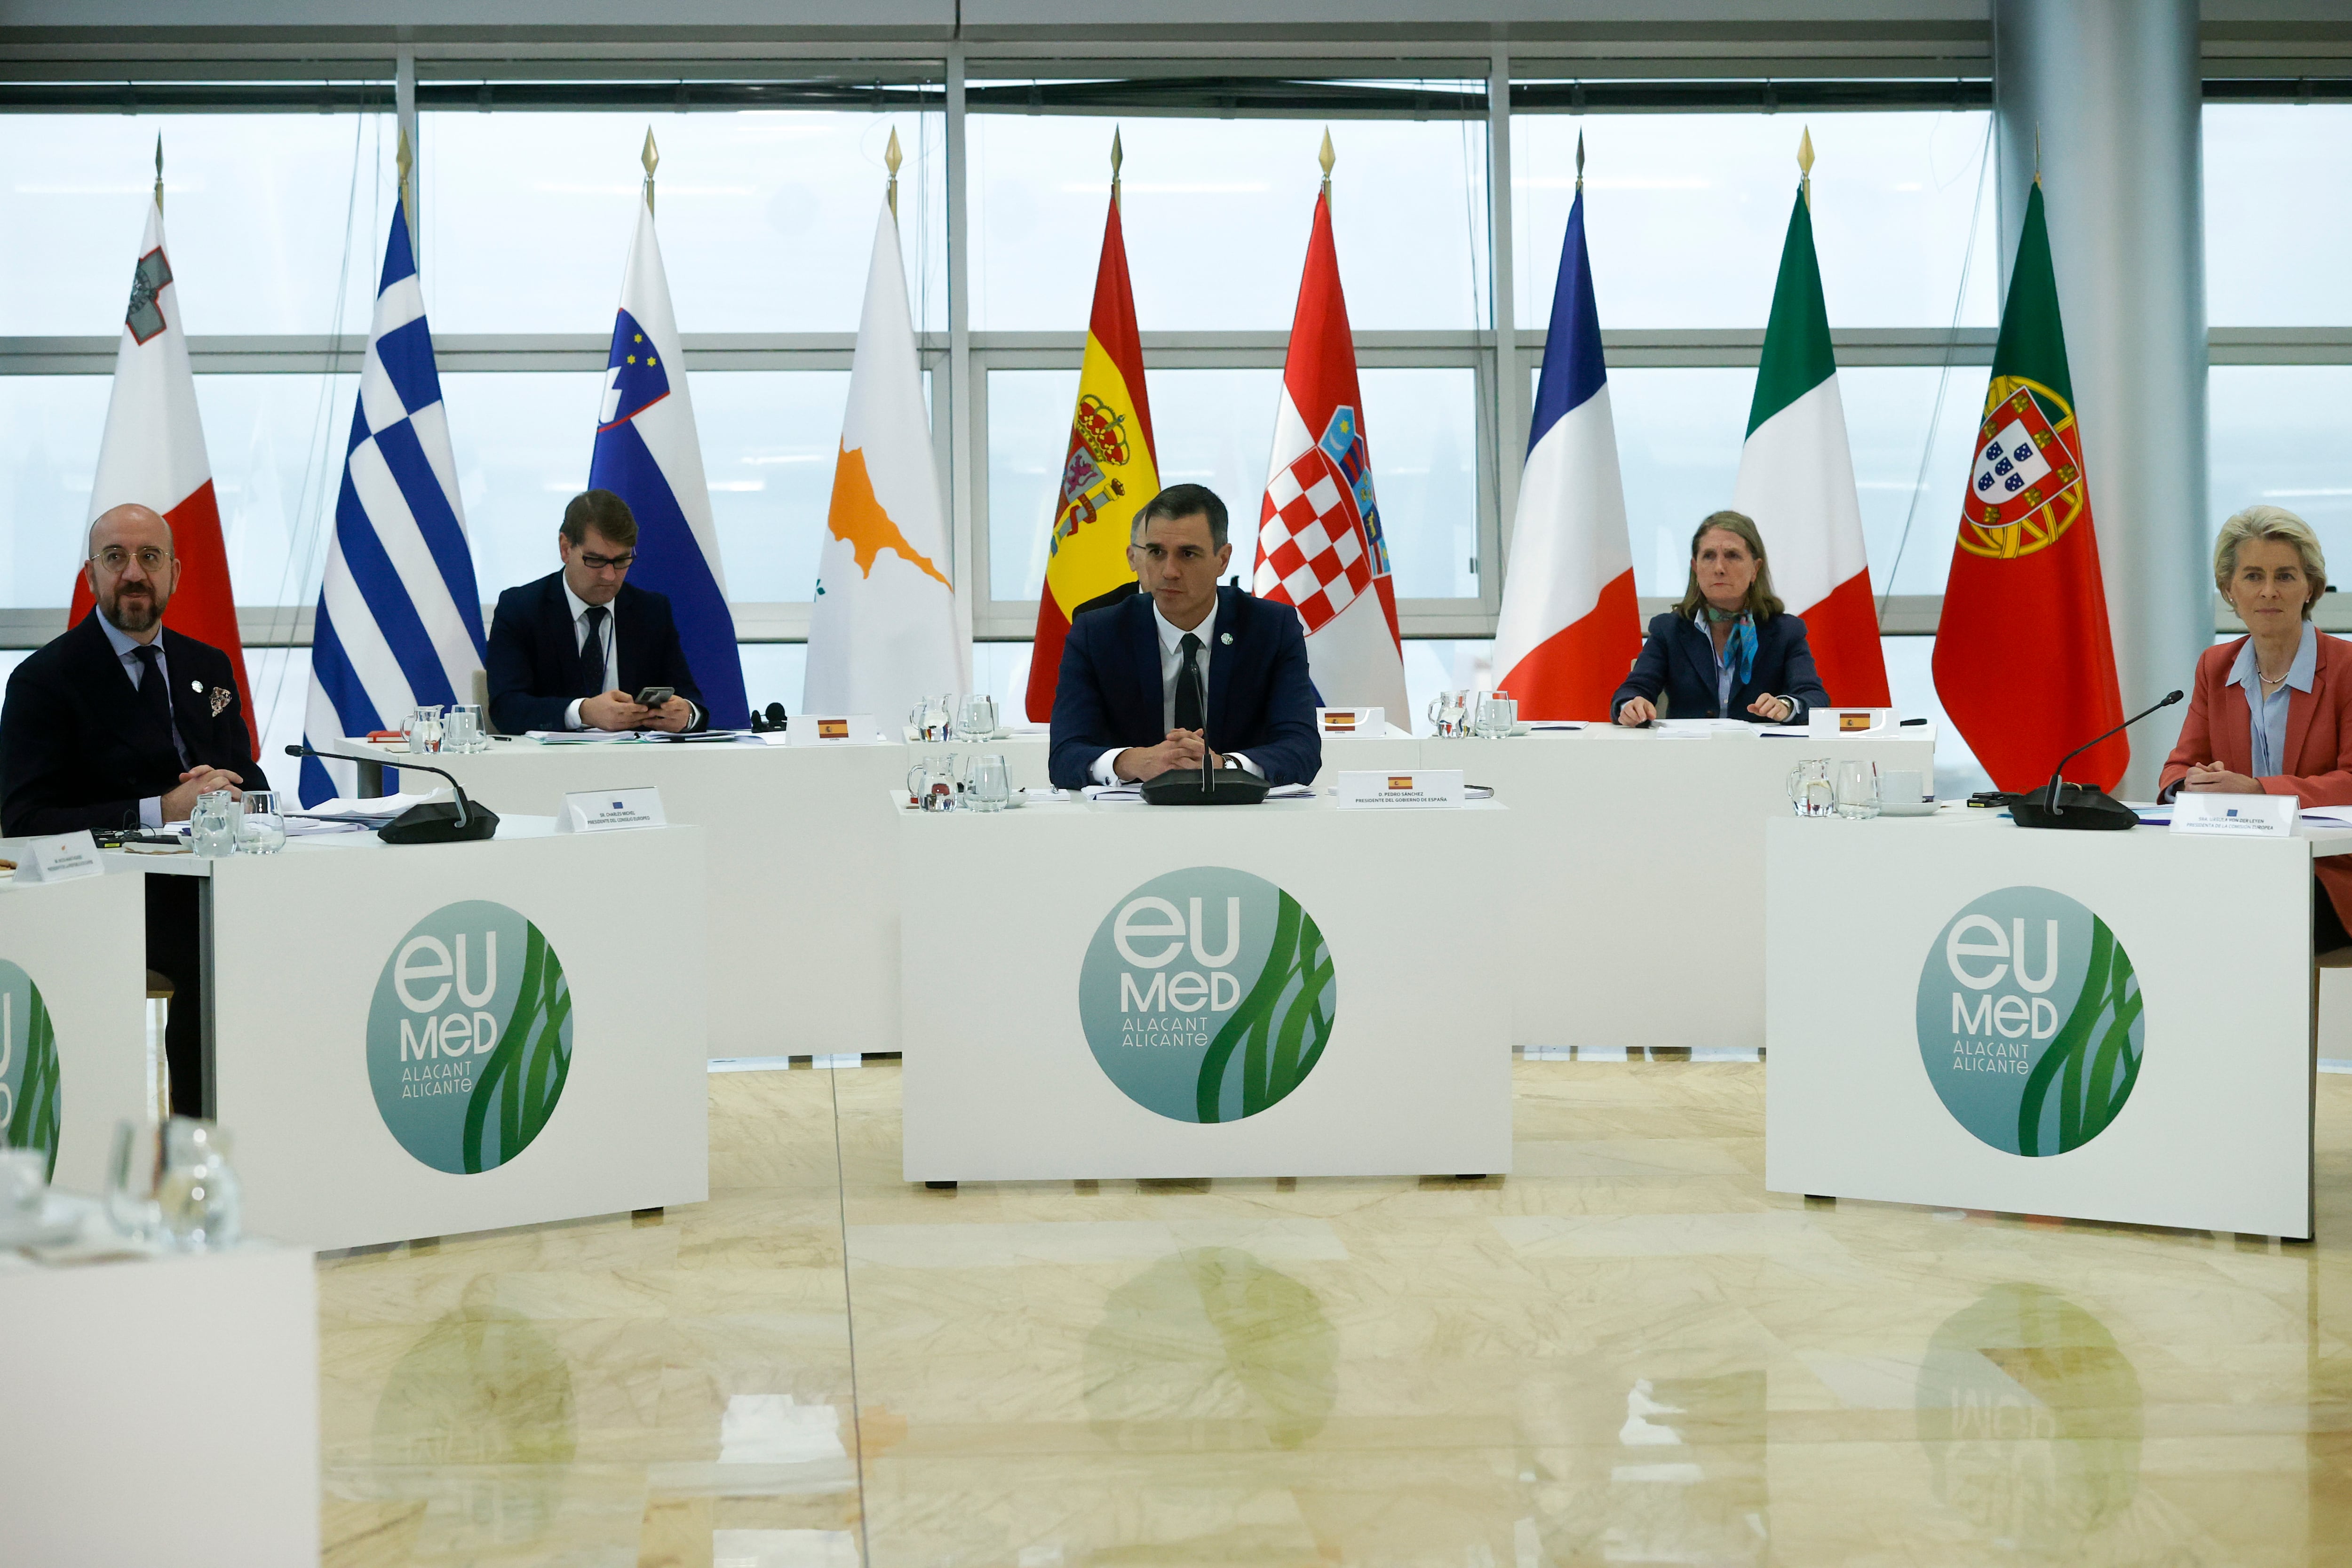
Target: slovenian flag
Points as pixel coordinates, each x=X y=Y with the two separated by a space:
x=646 y=452
x=1796 y=476
x=1571 y=627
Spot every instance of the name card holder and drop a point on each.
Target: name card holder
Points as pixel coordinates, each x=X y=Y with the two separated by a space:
x=1852 y=720
x=2236 y=816
x=1423 y=789
x=1351 y=720
x=610 y=811
x=831 y=730
x=59 y=859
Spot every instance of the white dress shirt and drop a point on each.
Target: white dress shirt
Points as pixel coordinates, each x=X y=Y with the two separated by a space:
x=1172 y=661
x=609 y=632
x=126 y=648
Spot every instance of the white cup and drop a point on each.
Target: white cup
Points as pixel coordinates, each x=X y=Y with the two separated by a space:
x=1902 y=786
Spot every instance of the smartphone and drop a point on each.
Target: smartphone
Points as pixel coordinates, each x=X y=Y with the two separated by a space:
x=654 y=696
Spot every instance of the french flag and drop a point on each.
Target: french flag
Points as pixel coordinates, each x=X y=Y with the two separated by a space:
x=1571 y=627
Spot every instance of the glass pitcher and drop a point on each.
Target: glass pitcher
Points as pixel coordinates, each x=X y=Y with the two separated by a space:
x=930 y=718
x=421 y=729
x=213 y=823
x=1810 y=790
x=199 y=1197
x=931 y=785
x=1450 y=712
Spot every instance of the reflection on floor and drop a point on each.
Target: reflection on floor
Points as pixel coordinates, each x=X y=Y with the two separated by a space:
x=1627 y=1352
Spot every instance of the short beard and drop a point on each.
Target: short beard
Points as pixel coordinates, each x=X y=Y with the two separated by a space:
x=137 y=616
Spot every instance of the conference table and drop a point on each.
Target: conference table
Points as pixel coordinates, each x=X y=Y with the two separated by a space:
x=73 y=990
x=1632 y=856
x=428 y=1039
x=2113 y=1027
x=1095 y=989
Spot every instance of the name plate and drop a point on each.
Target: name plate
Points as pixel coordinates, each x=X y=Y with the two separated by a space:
x=610 y=811
x=1422 y=789
x=1351 y=720
x=2236 y=816
x=1851 y=720
x=59 y=859
x=830 y=728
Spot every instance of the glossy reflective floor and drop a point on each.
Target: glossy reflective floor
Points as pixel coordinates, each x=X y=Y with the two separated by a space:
x=1626 y=1353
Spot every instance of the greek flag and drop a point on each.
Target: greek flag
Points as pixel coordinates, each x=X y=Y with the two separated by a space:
x=646 y=452
x=400 y=621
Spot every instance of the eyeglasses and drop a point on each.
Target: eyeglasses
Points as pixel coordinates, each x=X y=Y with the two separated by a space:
x=598 y=562
x=114 y=558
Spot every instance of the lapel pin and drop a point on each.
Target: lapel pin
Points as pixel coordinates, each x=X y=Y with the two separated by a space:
x=197 y=687
x=1227 y=638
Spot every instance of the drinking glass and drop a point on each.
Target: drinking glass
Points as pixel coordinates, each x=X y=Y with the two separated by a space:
x=1857 y=790
x=1496 y=713
x=1810 y=791
x=262 y=830
x=931 y=785
x=213 y=824
x=987 y=783
x=462 y=730
x=978 y=722
x=199 y=1195
x=134 y=1180
x=421 y=729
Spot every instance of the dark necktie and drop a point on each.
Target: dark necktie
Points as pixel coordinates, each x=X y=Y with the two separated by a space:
x=1188 y=684
x=592 y=654
x=155 y=694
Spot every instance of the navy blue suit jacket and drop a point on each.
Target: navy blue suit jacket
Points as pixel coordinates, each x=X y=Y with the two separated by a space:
x=1260 y=698
x=1678 y=660
x=533 y=659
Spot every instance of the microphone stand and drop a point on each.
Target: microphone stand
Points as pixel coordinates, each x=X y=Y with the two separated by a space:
x=433 y=822
x=2094 y=809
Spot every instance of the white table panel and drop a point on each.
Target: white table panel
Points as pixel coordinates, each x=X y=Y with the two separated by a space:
x=84 y=945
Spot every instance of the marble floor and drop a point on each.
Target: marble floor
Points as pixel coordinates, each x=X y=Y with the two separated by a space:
x=1625 y=1352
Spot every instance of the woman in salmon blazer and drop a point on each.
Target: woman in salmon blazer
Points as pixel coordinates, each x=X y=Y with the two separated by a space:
x=2272 y=713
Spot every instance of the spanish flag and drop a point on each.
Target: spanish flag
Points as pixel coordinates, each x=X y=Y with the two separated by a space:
x=1109 y=473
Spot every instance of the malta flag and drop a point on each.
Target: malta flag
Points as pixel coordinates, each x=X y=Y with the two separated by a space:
x=2023 y=663
x=1571 y=627
x=1110 y=471
x=883 y=636
x=648 y=454
x=153 y=453
x=1795 y=478
x=1319 y=547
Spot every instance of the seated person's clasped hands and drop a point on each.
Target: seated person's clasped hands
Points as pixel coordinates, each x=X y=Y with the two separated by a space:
x=1721 y=651
x=1180 y=750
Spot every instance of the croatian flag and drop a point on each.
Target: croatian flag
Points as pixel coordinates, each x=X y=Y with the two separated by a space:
x=1569 y=626
x=400 y=619
x=648 y=455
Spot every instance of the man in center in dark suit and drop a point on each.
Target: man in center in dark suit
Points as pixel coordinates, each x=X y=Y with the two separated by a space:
x=576 y=648
x=1150 y=683
x=122 y=723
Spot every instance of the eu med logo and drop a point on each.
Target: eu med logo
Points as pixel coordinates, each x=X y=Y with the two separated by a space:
x=1208 y=995
x=28 y=1066
x=2029 y=1021
x=469 y=1036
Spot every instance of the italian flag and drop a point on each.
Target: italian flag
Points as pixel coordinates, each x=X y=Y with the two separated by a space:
x=1796 y=479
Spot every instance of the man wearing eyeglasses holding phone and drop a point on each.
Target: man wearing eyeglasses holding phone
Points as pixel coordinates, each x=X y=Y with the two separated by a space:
x=582 y=649
x=122 y=723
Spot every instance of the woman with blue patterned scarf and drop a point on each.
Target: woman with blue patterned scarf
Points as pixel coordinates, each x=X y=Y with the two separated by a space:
x=1730 y=650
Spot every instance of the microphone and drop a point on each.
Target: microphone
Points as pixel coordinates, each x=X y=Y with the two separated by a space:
x=2094 y=809
x=433 y=822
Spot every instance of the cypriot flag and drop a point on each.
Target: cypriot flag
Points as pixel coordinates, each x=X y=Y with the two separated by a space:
x=1796 y=475
x=883 y=634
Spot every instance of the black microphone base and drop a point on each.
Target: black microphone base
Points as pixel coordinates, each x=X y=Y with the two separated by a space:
x=2080 y=807
x=1229 y=786
x=436 y=822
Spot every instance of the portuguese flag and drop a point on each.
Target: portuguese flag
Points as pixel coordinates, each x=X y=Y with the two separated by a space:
x=1108 y=474
x=1795 y=478
x=2024 y=661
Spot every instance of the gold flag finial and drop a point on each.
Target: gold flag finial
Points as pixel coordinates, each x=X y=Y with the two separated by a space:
x=2037 y=153
x=1116 y=158
x=651 y=159
x=1579 y=160
x=1805 y=165
x=159 y=171
x=406 y=161
x=891 y=159
x=1326 y=158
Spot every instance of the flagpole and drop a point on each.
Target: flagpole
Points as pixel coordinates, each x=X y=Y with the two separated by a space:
x=651 y=159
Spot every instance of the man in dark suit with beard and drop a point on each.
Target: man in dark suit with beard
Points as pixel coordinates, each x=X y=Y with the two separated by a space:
x=121 y=723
